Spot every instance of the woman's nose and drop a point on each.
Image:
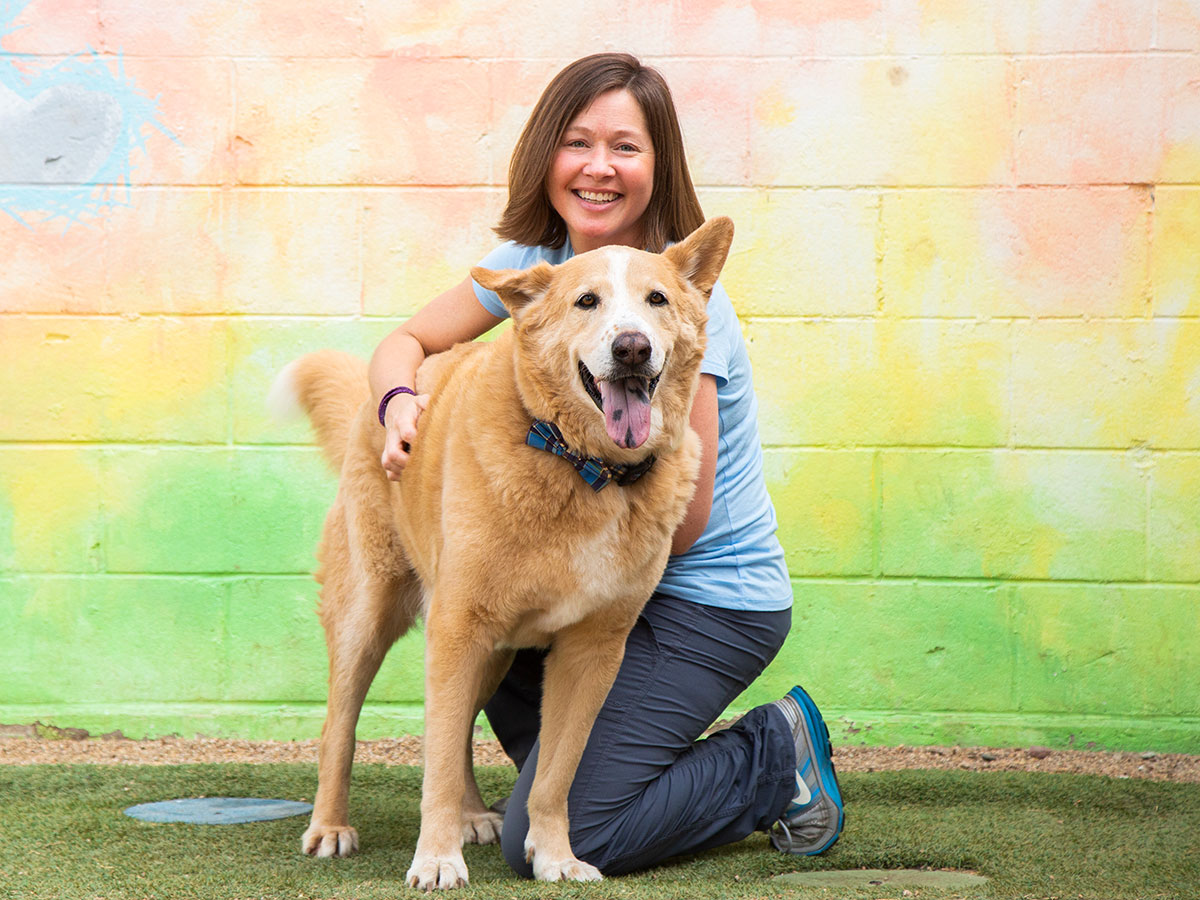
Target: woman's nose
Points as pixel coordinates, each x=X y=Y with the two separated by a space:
x=599 y=163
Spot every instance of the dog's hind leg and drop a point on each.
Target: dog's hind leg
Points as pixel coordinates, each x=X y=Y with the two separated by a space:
x=363 y=617
x=481 y=825
x=458 y=650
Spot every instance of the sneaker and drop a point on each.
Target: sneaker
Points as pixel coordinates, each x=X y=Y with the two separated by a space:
x=813 y=820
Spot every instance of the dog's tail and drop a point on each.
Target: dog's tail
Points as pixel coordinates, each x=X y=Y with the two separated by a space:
x=330 y=387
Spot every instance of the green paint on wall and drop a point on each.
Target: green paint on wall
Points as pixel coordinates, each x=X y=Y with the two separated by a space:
x=1174 y=526
x=825 y=503
x=214 y=510
x=1107 y=650
x=1001 y=514
x=88 y=639
x=943 y=593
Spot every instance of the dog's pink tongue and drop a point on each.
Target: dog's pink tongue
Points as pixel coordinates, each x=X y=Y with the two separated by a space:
x=626 y=411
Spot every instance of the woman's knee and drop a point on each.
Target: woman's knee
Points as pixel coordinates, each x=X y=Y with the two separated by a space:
x=512 y=845
x=589 y=835
x=516 y=825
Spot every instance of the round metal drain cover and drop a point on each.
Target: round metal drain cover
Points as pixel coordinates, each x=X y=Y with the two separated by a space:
x=218 y=810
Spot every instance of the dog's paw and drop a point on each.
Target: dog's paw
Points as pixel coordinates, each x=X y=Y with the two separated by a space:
x=481 y=827
x=329 y=840
x=569 y=869
x=559 y=867
x=434 y=873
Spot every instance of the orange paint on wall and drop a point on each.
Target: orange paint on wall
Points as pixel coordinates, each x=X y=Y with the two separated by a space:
x=1072 y=248
x=775 y=13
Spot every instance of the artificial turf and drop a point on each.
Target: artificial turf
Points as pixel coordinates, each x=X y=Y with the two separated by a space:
x=63 y=836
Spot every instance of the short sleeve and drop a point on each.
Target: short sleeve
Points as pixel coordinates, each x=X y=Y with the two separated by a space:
x=511 y=255
x=722 y=322
x=506 y=256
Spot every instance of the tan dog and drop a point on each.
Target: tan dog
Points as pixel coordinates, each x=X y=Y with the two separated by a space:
x=499 y=544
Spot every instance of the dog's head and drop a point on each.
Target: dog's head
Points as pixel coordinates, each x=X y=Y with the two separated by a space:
x=609 y=344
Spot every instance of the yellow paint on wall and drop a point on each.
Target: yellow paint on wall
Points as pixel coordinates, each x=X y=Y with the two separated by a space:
x=737 y=276
x=1175 y=253
x=915 y=361
x=881 y=382
x=945 y=13
x=114 y=379
x=946 y=121
x=772 y=107
x=1181 y=163
x=51 y=496
x=1177 y=351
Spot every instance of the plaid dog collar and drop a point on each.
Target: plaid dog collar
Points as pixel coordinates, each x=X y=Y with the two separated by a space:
x=596 y=472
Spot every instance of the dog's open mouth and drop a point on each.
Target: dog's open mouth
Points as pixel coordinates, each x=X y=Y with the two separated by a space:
x=625 y=403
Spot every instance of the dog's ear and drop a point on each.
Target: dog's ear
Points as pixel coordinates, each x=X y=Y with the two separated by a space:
x=515 y=287
x=701 y=255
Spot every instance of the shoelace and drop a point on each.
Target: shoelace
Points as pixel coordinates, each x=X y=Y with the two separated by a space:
x=783 y=844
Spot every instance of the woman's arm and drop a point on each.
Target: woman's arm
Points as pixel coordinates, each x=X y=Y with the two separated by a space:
x=448 y=319
x=706 y=423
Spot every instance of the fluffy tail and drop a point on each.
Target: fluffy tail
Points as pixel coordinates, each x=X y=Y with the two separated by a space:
x=330 y=387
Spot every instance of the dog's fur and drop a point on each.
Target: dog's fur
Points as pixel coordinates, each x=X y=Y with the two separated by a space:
x=499 y=545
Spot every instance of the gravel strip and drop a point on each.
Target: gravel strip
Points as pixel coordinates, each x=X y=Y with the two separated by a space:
x=70 y=748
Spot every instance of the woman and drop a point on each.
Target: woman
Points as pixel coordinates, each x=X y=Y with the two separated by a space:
x=601 y=162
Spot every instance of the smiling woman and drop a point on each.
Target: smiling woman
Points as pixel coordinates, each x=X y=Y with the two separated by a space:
x=601 y=110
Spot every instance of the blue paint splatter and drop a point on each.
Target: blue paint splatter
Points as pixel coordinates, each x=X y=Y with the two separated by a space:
x=68 y=134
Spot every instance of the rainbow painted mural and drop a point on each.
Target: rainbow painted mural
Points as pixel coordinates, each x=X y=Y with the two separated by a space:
x=967 y=267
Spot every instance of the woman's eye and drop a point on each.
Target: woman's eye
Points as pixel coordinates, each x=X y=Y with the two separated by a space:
x=587 y=301
x=657 y=298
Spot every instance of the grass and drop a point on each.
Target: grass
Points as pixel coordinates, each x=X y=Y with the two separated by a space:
x=63 y=836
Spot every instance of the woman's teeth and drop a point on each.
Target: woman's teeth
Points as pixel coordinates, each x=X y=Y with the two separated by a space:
x=596 y=197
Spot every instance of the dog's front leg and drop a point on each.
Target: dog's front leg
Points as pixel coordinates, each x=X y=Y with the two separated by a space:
x=580 y=669
x=481 y=825
x=456 y=658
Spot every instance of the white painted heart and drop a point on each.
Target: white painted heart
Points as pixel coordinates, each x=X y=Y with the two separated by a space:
x=62 y=135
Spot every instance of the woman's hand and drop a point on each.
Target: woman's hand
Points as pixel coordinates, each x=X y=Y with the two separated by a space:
x=402 y=415
x=444 y=321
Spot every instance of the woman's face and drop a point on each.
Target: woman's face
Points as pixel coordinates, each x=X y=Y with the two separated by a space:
x=602 y=173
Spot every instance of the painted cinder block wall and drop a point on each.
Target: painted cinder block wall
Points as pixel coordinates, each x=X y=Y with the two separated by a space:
x=967 y=267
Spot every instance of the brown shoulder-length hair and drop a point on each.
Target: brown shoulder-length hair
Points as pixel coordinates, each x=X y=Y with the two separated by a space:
x=674 y=211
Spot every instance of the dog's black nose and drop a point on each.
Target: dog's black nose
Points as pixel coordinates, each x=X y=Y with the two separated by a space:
x=631 y=348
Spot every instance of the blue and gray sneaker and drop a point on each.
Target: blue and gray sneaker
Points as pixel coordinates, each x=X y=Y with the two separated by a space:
x=813 y=820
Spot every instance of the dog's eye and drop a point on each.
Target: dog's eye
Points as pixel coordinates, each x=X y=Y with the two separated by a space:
x=587 y=301
x=657 y=298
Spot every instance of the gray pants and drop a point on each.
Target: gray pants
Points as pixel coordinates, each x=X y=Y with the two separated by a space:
x=646 y=788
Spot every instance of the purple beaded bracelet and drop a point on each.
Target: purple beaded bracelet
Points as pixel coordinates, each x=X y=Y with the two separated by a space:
x=388 y=396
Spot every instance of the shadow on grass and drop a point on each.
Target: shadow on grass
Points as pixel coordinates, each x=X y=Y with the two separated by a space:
x=63 y=836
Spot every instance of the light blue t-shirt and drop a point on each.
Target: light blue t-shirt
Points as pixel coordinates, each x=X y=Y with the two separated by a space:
x=737 y=563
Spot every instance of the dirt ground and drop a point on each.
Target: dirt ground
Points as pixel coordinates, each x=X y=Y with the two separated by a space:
x=24 y=745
